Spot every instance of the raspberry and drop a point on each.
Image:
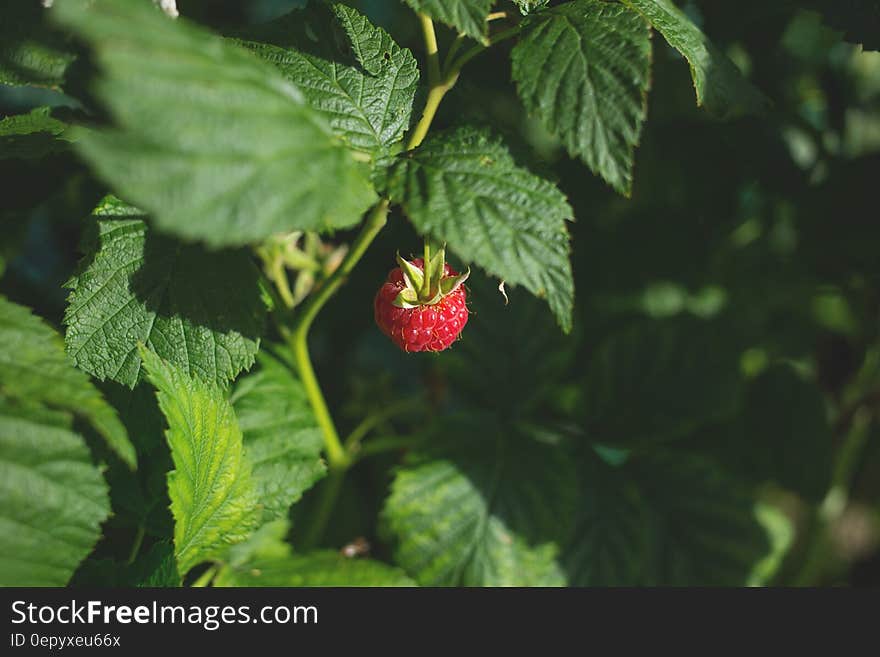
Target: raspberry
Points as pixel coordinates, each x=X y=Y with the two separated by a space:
x=428 y=325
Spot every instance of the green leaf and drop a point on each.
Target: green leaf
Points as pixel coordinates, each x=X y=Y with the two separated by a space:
x=660 y=380
x=33 y=135
x=198 y=309
x=720 y=86
x=213 y=496
x=464 y=188
x=31 y=53
x=52 y=501
x=155 y=569
x=528 y=6
x=34 y=370
x=479 y=508
x=266 y=560
x=511 y=343
x=212 y=141
x=467 y=16
x=609 y=545
x=281 y=435
x=583 y=68
x=705 y=526
x=350 y=71
x=784 y=416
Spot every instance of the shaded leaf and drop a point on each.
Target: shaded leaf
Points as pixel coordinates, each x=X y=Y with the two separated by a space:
x=609 y=545
x=198 y=309
x=655 y=381
x=704 y=524
x=482 y=507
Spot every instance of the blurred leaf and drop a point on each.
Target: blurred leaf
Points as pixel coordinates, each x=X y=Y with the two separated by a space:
x=198 y=309
x=52 y=501
x=462 y=186
x=656 y=381
x=609 y=545
x=703 y=524
x=206 y=135
x=583 y=68
x=33 y=369
x=720 y=86
x=281 y=436
x=504 y=346
x=784 y=435
x=482 y=507
x=266 y=560
x=31 y=52
x=859 y=19
x=214 y=499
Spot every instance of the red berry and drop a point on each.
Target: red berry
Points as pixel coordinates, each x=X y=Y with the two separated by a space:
x=423 y=328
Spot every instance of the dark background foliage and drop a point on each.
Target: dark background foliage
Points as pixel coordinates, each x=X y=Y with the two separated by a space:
x=726 y=312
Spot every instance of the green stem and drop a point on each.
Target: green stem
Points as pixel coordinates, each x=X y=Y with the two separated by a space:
x=856 y=421
x=136 y=546
x=455 y=69
x=431 y=49
x=205 y=578
x=437 y=85
x=282 y=284
x=435 y=95
x=297 y=338
x=453 y=51
x=326 y=502
x=353 y=441
x=388 y=444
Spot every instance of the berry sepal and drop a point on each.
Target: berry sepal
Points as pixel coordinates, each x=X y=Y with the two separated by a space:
x=427 y=287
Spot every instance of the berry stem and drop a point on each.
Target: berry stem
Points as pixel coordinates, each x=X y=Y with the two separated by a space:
x=297 y=338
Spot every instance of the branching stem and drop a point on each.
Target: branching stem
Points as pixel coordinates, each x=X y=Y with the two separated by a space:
x=340 y=457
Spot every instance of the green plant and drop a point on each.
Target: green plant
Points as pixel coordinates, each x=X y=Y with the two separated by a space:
x=645 y=436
